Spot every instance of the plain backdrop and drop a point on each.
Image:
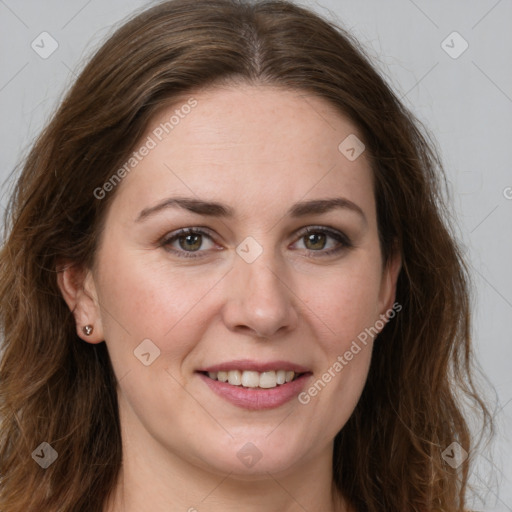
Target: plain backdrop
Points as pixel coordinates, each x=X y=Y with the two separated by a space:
x=449 y=61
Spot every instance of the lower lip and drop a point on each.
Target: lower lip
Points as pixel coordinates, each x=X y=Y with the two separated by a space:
x=257 y=398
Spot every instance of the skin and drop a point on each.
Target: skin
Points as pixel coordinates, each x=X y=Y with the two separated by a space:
x=259 y=150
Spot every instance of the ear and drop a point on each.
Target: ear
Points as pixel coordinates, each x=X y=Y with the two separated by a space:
x=79 y=291
x=388 y=282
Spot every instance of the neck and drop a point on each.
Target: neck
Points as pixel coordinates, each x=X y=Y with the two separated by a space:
x=154 y=478
x=224 y=493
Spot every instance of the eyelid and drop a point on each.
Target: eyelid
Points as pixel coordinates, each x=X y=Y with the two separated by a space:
x=332 y=232
x=175 y=235
x=343 y=240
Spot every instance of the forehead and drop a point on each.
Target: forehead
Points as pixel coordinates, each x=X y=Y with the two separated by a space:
x=248 y=145
x=262 y=122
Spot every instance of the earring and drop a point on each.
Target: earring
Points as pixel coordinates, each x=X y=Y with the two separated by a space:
x=87 y=330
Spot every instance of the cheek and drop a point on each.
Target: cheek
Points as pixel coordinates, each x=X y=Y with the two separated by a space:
x=150 y=296
x=345 y=301
x=344 y=308
x=346 y=313
x=142 y=299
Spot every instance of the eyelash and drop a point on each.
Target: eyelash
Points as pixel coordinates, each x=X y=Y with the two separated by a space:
x=341 y=238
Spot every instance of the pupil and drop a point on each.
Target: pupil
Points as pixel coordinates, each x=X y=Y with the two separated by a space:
x=316 y=238
x=188 y=238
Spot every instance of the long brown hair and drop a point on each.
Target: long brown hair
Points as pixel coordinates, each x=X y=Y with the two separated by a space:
x=55 y=388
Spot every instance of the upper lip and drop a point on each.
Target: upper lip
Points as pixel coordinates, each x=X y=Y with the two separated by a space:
x=256 y=366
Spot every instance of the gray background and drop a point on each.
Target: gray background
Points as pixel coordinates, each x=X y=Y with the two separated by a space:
x=466 y=102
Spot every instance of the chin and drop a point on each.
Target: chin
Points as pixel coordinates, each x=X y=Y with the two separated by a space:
x=252 y=459
x=258 y=469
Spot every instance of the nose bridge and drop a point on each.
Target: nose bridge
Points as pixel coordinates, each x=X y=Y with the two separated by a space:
x=258 y=298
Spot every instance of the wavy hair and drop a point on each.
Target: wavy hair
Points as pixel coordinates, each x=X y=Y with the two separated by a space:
x=58 y=389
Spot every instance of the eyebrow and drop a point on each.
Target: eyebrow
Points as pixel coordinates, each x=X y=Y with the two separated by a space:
x=215 y=209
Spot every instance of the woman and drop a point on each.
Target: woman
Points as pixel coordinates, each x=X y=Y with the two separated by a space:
x=229 y=282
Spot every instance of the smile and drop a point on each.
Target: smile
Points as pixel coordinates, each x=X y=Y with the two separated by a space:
x=254 y=385
x=252 y=379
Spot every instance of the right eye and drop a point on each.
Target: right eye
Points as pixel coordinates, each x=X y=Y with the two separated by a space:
x=188 y=240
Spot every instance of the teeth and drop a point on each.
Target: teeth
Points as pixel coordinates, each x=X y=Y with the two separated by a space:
x=268 y=380
x=252 y=379
x=235 y=377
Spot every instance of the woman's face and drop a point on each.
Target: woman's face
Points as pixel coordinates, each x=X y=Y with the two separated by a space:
x=248 y=295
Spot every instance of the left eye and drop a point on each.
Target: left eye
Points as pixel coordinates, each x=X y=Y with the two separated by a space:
x=315 y=239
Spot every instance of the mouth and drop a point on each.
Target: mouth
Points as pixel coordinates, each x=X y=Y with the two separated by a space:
x=256 y=386
x=253 y=379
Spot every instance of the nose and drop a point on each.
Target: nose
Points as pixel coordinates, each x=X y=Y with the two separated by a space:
x=259 y=300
